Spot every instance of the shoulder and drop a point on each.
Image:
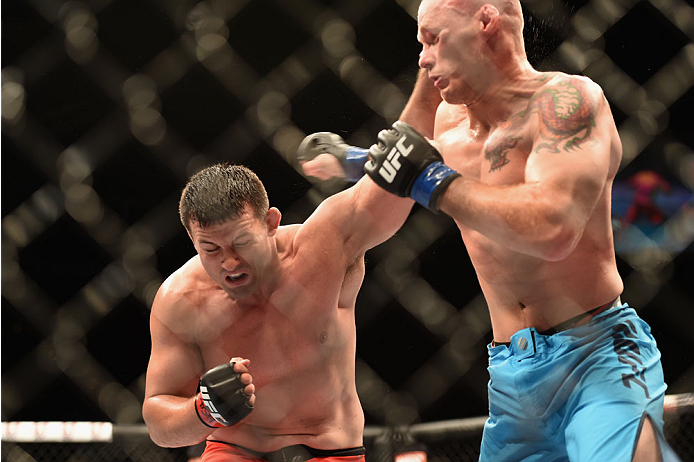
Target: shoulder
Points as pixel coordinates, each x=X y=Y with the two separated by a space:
x=182 y=280
x=180 y=295
x=321 y=236
x=570 y=90
x=297 y=242
x=286 y=236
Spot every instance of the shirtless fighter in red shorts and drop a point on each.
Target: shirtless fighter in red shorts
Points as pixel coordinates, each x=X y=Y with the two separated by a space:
x=276 y=301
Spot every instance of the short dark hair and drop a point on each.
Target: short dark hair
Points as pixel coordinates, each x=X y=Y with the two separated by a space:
x=221 y=192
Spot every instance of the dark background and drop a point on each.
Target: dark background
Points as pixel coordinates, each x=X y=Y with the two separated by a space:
x=109 y=105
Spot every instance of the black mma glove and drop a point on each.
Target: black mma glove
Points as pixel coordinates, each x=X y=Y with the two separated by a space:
x=404 y=163
x=351 y=158
x=221 y=401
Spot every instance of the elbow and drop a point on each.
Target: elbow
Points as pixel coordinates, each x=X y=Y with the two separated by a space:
x=559 y=230
x=560 y=243
x=156 y=437
x=171 y=427
x=156 y=433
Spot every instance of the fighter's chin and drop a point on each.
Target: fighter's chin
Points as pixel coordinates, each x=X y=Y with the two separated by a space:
x=449 y=97
x=453 y=96
x=239 y=293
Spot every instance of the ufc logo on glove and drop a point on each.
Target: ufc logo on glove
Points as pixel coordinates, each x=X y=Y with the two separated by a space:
x=211 y=407
x=391 y=165
x=414 y=170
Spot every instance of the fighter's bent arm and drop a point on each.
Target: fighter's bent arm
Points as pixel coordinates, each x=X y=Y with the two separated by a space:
x=174 y=414
x=172 y=376
x=564 y=177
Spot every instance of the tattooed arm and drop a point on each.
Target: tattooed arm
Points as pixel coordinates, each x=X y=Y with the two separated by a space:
x=574 y=153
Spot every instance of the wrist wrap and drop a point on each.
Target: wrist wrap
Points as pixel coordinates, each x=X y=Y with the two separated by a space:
x=221 y=400
x=351 y=158
x=205 y=414
x=433 y=181
x=353 y=163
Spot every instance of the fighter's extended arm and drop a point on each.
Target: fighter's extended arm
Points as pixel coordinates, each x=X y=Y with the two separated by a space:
x=174 y=414
x=325 y=155
x=366 y=215
x=566 y=173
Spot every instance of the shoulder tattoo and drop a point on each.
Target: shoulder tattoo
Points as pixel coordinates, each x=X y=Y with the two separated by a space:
x=566 y=120
x=566 y=116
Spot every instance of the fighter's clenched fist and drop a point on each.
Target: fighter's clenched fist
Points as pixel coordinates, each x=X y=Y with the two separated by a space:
x=226 y=394
x=404 y=163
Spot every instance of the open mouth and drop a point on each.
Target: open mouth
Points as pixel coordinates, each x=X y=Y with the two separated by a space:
x=236 y=278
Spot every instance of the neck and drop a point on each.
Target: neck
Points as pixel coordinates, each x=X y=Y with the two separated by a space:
x=262 y=295
x=500 y=99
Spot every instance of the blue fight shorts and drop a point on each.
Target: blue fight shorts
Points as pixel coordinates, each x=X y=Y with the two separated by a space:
x=578 y=395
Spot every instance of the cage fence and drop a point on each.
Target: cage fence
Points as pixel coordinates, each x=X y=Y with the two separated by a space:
x=94 y=92
x=455 y=440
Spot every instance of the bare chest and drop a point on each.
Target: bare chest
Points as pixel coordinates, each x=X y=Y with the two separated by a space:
x=498 y=157
x=297 y=330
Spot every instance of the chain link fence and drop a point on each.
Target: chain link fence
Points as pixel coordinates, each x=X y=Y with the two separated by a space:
x=109 y=105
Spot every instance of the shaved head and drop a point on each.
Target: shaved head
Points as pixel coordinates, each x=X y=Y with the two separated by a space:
x=510 y=8
x=469 y=44
x=510 y=13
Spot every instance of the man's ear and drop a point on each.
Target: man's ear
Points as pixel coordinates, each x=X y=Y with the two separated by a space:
x=272 y=220
x=190 y=235
x=489 y=17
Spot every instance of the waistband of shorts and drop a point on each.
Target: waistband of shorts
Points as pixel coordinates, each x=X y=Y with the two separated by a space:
x=575 y=321
x=582 y=318
x=298 y=452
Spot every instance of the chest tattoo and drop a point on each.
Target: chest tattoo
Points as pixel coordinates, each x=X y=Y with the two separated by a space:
x=565 y=115
x=497 y=153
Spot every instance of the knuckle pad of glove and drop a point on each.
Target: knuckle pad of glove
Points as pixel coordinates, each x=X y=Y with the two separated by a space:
x=318 y=143
x=424 y=152
x=377 y=150
x=225 y=388
x=387 y=136
x=377 y=155
x=411 y=153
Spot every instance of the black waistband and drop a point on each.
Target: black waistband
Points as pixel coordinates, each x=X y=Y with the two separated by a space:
x=300 y=452
x=576 y=320
x=572 y=322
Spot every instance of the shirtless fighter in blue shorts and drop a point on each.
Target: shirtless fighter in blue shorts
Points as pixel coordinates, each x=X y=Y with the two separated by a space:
x=524 y=161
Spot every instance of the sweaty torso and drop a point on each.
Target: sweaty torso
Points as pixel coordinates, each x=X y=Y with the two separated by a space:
x=301 y=344
x=522 y=290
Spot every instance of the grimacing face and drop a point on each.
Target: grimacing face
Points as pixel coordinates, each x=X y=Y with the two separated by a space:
x=237 y=253
x=450 y=52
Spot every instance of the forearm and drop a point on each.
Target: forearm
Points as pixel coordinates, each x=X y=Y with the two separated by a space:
x=173 y=422
x=374 y=215
x=420 y=110
x=325 y=155
x=525 y=218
